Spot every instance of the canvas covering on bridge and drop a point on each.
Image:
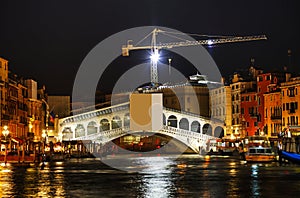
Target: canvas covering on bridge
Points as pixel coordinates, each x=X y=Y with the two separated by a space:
x=146 y=112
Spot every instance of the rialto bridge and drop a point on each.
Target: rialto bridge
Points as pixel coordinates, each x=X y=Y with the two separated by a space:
x=104 y=125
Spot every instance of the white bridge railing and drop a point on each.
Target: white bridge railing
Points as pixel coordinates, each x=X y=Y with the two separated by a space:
x=192 y=139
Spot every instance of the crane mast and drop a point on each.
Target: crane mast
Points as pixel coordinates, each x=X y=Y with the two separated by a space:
x=154 y=47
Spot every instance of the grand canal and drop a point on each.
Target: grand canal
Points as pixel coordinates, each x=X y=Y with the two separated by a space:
x=156 y=176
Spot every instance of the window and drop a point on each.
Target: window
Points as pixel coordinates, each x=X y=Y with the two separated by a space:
x=237 y=109
x=291 y=92
x=268 y=77
x=282 y=92
x=292 y=120
x=287 y=106
x=259 y=118
x=266 y=114
x=283 y=106
x=283 y=121
x=247 y=124
x=242 y=110
x=255 y=123
x=242 y=98
x=237 y=97
x=258 y=100
x=236 y=86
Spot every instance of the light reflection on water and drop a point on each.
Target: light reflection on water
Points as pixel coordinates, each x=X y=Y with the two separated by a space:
x=159 y=176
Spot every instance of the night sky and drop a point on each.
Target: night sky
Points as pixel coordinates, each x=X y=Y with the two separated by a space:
x=48 y=40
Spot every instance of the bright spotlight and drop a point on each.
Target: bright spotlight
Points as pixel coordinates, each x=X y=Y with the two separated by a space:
x=210 y=42
x=155 y=57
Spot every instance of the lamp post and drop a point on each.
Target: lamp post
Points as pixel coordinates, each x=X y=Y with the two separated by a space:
x=5 y=132
x=44 y=135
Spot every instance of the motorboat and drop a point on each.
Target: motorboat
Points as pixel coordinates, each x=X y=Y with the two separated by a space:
x=259 y=154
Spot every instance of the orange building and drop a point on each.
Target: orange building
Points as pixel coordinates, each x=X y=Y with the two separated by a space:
x=272 y=113
x=290 y=104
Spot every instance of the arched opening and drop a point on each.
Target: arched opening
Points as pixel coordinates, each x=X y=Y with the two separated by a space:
x=219 y=132
x=79 y=131
x=116 y=122
x=184 y=124
x=67 y=134
x=104 y=125
x=195 y=126
x=92 y=128
x=127 y=120
x=207 y=129
x=172 y=121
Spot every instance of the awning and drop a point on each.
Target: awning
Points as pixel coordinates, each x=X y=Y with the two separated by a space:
x=17 y=140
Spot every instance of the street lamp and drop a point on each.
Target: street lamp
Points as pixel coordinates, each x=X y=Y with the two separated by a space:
x=44 y=135
x=5 y=132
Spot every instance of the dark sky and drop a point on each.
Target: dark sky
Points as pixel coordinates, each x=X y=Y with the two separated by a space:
x=47 y=40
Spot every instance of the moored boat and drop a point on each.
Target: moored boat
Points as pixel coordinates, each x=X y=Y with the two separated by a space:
x=259 y=154
x=292 y=157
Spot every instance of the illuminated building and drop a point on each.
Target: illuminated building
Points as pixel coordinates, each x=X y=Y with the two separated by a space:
x=272 y=113
x=290 y=104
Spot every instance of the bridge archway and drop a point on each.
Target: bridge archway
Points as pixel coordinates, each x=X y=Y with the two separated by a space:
x=195 y=126
x=116 y=122
x=184 y=124
x=92 y=128
x=67 y=133
x=126 y=120
x=79 y=131
x=219 y=132
x=207 y=129
x=172 y=121
x=104 y=125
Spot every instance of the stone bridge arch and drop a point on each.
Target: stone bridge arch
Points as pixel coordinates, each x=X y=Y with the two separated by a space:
x=172 y=121
x=219 y=132
x=195 y=126
x=184 y=124
x=207 y=129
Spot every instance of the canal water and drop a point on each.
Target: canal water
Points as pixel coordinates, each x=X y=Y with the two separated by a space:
x=151 y=176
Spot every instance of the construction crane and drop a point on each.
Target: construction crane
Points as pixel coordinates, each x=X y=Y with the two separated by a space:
x=155 y=47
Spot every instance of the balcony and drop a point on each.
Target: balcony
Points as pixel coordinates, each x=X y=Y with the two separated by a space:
x=12 y=98
x=254 y=115
x=275 y=117
x=292 y=111
x=291 y=95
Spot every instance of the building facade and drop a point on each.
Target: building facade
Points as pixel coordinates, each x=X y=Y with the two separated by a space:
x=273 y=113
x=290 y=104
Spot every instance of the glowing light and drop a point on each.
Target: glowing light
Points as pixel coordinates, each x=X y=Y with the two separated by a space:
x=155 y=57
x=210 y=42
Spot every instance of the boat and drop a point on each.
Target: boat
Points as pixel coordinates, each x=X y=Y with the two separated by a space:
x=292 y=157
x=224 y=146
x=259 y=154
